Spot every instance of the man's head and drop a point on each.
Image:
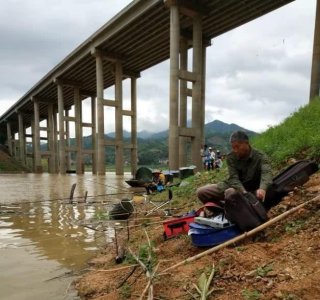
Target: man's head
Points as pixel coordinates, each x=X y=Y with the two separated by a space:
x=240 y=144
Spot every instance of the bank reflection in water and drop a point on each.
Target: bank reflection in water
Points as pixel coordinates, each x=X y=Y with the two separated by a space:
x=53 y=225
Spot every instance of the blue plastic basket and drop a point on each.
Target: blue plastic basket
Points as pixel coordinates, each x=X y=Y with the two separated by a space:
x=206 y=236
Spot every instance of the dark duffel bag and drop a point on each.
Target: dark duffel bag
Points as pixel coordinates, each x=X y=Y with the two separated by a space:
x=295 y=175
x=245 y=210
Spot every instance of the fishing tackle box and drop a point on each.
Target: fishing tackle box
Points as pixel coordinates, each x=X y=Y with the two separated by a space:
x=218 y=221
x=178 y=225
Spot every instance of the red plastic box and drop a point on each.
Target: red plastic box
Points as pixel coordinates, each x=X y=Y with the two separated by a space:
x=177 y=226
x=180 y=225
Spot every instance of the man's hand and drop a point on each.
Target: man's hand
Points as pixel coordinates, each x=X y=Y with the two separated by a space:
x=260 y=193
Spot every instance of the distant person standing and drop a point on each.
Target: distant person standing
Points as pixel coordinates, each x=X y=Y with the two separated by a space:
x=212 y=159
x=218 y=154
x=218 y=163
x=205 y=155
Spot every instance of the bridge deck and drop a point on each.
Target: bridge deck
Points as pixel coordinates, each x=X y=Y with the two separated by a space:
x=139 y=35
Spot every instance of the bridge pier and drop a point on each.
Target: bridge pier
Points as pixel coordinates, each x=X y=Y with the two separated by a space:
x=197 y=108
x=36 y=137
x=94 y=134
x=67 y=138
x=9 y=138
x=315 y=70
x=183 y=102
x=119 y=118
x=78 y=129
x=62 y=141
x=22 y=139
x=179 y=133
x=100 y=151
x=174 y=88
x=117 y=103
x=134 y=146
x=56 y=144
x=51 y=140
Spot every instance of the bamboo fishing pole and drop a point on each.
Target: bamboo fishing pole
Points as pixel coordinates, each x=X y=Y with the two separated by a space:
x=240 y=237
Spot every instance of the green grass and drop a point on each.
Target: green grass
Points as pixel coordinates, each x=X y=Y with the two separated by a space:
x=251 y=294
x=263 y=271
x=296 y=137
x=294 y=226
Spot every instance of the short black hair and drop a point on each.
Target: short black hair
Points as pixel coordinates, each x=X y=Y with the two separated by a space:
x=239 y=136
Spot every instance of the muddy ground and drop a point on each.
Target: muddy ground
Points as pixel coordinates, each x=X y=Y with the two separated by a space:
x=282 y=262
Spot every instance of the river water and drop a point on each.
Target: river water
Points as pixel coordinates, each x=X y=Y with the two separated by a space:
x=42 y=240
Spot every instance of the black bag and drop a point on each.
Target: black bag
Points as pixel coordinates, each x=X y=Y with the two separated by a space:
x=245 y=210
x=295 y=175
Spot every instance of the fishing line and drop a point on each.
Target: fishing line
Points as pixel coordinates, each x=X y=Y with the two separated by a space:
x=68 y=199
x=123 y=192
x=110 y=186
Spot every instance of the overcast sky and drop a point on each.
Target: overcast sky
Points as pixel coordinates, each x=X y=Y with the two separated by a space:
x=257 y=74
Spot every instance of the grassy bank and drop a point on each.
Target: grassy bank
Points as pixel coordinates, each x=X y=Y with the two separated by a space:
x=295 y=138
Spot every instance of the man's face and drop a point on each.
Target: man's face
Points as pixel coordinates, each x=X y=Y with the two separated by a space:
x=241 y=149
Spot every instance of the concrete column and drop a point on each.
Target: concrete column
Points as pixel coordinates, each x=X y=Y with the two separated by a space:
x=183 y=103
x=55 y=140
x=119 y=119
x=9 y=138
x=33 y=143
x=134 y=149
x=22 y=139
x=62 y=142
x=51 y=144
x=203 y=94
x=94 y=134
x=36 y=135
x=315 y=70
x=67 y=139
x=15 y=154
x=196 y=91
x=100 y=117
x=174 y=88
x=78 y=127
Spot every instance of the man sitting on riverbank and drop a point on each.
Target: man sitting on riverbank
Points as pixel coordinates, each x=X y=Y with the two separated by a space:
x=249 y=171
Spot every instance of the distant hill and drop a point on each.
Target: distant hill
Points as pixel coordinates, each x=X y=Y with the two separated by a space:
x=153 y=147
x=214 y=127
x=220 y=127
x=217 y=134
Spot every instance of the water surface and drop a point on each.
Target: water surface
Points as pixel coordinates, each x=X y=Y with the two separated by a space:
x=42 y=240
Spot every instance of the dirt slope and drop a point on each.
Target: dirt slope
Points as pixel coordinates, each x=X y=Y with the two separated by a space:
x=9 y=165
x=281 y=263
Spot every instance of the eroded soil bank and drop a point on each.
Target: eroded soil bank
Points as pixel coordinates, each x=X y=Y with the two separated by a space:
x=280 y=263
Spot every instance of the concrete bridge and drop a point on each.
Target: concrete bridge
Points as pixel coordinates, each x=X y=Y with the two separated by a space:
x=142 y=35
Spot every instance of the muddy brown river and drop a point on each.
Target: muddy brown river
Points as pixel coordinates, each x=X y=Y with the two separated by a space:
x=42 y=240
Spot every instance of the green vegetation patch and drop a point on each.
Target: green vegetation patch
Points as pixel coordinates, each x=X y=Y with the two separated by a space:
x=251 y=294
x=296 y=137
